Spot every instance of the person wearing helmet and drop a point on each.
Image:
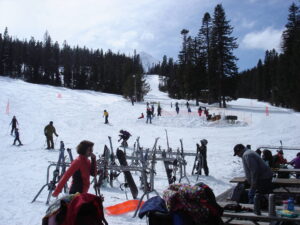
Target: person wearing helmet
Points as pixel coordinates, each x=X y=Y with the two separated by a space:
x=202 y=162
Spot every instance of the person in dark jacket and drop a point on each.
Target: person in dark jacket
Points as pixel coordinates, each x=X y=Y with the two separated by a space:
x=177 y=107
x=149 y=115
x=267 y=157
x=13 y=123
x=279 y=160
x=49 y=130
x=124 y=136
x=17 y=137
x=80 y=170
x=258 y=174
x=202 y=162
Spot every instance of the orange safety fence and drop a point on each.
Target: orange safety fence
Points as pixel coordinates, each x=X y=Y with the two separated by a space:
x=123 y=207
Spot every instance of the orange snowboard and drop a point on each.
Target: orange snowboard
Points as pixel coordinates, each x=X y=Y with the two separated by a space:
x=123 y=207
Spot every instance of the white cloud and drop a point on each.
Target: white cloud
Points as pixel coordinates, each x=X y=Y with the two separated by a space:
x=266 y=39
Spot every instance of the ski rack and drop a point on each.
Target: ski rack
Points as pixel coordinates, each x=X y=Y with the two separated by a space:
x=279 y=147
x=60 y=168
x=182 y=163
x=147 y=191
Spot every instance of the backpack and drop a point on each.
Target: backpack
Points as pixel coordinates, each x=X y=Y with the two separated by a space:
x=76 y=209
x=196 y=203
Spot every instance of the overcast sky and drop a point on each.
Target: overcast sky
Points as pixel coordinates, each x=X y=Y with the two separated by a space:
x=152 y=26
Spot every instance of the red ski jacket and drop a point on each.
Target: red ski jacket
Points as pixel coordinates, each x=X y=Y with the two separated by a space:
x=81 y=167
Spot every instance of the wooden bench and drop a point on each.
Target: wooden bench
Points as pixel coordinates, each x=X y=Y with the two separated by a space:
x=230 y=217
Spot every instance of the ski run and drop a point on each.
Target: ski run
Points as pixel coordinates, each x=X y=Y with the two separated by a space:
x=78 y=115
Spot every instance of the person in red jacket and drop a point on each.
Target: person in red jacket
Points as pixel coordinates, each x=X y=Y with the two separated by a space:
x=80 y=170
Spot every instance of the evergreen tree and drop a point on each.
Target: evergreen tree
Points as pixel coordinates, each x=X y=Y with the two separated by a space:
x=224 y=61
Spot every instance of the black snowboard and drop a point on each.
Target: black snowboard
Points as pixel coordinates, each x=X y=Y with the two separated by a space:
x=129 y=179
x=168 y=169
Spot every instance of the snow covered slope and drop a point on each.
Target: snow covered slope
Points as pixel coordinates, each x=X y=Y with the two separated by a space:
x=148 y=61
x=77 y=115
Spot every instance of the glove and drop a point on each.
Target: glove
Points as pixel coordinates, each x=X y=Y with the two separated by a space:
x=56 y=135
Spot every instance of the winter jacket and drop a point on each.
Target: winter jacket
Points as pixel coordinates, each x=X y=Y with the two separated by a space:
x=296 y=162
x=14 y=122
x=105 y=113
x=81 y=169
x=278 y=160
x=50 y=130
x=255 y=168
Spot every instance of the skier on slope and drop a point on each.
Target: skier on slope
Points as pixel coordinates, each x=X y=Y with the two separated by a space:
x=80 y=170
x=124 y=136
x=49 y=130
x=13 y=123
x=105 y=114
x=201 y=150
x=17 y=137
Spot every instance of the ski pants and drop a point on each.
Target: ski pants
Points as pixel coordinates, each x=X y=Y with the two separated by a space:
x=106 y=119
x=204 y=167
x=148 y=118
x=17 y=139
x=50 y=143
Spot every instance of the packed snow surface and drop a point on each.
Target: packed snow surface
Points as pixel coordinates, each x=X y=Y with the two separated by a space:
x=78 y=115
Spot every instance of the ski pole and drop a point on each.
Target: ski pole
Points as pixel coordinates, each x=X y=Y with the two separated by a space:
x=55 y=141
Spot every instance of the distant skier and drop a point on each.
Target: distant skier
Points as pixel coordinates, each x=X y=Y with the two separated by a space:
x=202 y=162
x=187 y=105
x=49 y=130
x=105 y=114
x=124 y=136
x=200 y=111
x=141 y=116
x=13 y=123
x=17 y=137
x=152 y=110
x=158 y=110
x=149 y=115
x=177 y=107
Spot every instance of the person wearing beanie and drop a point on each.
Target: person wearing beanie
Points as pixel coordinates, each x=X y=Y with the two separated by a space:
x=257 y=173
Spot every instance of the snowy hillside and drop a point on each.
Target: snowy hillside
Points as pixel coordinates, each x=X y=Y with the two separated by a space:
x=77 y=115
x=148 y=60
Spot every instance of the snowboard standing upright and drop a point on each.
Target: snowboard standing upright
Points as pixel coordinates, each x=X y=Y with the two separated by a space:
x=128 y=177
x=169 y=170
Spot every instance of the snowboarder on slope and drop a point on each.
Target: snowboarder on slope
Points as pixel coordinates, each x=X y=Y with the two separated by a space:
x=124 y=136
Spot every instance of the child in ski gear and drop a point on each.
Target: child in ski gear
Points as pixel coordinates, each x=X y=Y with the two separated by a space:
x=142 y=116
x=105 y=114
x=258 y=174
x=149 y=115
x=17 y=137
x=124 y=136
x=13 y=123
x=81 y=168
x=49 y=130
x=202 y=162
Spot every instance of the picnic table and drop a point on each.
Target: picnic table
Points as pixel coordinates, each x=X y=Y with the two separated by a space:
x=287 y=184
x=231 y=217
